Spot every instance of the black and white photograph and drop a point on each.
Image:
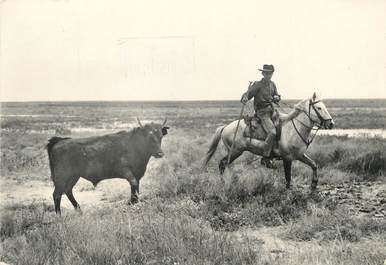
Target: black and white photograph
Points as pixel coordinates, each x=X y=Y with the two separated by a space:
x=192 y=132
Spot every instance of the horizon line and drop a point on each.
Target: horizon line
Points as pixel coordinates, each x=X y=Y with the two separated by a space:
x=165 y=100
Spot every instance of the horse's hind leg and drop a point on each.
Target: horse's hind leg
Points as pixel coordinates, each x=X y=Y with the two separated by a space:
x=57 y=195
x=223 y=163
x=308 y=161
x=287 y=171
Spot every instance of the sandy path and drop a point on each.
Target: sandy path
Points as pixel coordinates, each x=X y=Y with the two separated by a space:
x=270 y=241
x=367 y=198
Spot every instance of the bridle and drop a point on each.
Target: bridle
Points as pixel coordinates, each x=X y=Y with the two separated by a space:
x=321 y=119
x=316 y=124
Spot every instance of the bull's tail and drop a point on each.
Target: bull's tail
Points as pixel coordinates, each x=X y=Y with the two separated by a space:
x=213 y=146
x=51 y=142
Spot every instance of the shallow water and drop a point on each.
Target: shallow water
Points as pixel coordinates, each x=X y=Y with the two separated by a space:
x=353 y=133
x=356 y=133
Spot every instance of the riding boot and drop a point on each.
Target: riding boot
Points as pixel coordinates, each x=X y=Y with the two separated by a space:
x=269 y=141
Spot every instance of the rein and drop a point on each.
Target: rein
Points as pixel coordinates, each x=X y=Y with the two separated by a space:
x=311 y=104
x=306 y=141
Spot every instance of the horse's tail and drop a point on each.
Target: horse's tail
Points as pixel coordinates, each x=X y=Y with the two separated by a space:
x=213 y=146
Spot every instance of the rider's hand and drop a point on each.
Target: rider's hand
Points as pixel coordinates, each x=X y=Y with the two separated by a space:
x=276 y=98
x=244 y=99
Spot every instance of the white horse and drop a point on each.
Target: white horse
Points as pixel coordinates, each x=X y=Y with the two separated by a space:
x=293 y=143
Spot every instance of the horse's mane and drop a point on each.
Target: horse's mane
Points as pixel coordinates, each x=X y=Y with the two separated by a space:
x=293 y=113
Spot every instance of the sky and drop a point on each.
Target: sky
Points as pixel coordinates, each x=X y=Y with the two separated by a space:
x=62 y=50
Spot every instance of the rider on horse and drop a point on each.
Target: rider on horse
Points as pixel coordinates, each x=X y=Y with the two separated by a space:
x=265 y=94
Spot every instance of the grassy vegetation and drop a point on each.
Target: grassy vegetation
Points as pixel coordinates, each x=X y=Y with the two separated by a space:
x=125 y=236
x=325 y=224
x=189 y=216
x=161 y=231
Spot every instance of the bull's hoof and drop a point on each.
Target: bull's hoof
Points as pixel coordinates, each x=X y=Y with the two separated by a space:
x=79 y=210
x=288 y=186
x=133 y=201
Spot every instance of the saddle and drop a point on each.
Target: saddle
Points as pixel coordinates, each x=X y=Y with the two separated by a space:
x=255 y=130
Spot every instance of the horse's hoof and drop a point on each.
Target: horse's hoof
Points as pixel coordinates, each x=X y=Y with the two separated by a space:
x=268 y=163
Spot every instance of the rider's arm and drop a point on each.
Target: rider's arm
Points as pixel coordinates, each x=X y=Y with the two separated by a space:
x=251 y=92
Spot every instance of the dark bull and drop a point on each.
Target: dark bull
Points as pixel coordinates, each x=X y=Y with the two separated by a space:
x=120 y=155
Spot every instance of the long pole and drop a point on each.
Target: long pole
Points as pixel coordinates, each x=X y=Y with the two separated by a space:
x=234 y=136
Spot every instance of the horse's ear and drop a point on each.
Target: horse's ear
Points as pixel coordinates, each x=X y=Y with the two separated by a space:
x=314 y=96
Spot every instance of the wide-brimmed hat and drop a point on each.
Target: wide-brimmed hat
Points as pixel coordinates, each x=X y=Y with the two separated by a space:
x=267 y=68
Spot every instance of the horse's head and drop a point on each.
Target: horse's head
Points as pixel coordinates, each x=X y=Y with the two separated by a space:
x=317 y=112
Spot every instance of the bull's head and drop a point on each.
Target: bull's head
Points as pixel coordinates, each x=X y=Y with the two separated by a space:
x=164 y=128
x=154 y=133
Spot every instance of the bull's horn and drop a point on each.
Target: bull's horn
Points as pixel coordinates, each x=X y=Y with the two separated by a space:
x=139 y=122
x=164 y=122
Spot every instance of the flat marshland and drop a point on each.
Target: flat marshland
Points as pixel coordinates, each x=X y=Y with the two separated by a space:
x=189 y=216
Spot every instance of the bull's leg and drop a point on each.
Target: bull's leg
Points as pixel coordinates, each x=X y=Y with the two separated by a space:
x=134 y=184
x=69 y=185
x=70 y=196
x=223 y=163
x=308 y=161
x=287 y=171
x=57 y=195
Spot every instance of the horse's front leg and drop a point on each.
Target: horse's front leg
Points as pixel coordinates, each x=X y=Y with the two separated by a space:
x=308 y=161
x=287 y=171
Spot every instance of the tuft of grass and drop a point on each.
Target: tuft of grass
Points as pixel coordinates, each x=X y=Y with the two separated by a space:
x=16 y=219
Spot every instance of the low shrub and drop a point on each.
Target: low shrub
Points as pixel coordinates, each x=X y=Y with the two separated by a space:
x=371 y=163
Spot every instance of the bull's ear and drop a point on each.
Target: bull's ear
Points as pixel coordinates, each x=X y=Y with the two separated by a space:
x=139 y=122
x=165 y=130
